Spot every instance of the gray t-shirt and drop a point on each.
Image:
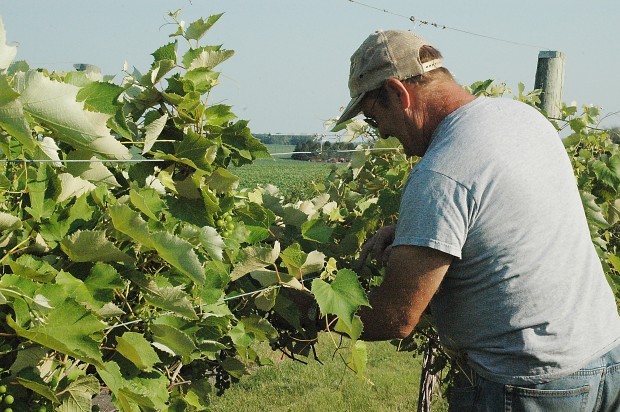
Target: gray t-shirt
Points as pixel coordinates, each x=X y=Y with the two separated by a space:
x=525 y=299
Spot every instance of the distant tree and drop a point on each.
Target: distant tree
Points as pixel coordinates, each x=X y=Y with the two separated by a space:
x=296 y=139
x=304 y=147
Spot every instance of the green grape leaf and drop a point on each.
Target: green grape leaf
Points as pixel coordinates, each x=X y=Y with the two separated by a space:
x=342 y=297
x=254 y=258
x=134 y=347
x=33 y=267
x=170 y=298
x=219 y=115
x=198 y=28
x=41 y=191
x=358 y=357
x=73 y=187
x=234 y=367
x=208 y=59
x=12 y=117
x=353 y=331
x=159 y=70
x=94 y=171
x=198 y=394
x=166 y=52
x=174 y=250
x=28 y=358
x=299 y=263
x=266 y=300
x=239 y=137
x=152 y=131
x=212 y=242
x=100 y=97
x=37 y=385
x=67 y=329
x=202 y=79
x=240 y=337
x=147 y=200
x=103 y=276
x=199 y=150
x=259 y=328
x=317 y=231
x=271 y=278
x=41 y=97
x=608 y=172
x=593 y=211
x=92 y=246
x=221 y=181
x=77 y=290
x=174 y=341
x=78 y=394
x=149 y=389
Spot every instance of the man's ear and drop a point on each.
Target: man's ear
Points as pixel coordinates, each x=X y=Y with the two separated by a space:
x=398 y=92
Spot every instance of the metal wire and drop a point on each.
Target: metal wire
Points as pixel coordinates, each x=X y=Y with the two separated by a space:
x=160 y=160
x=242 y=295
x=78 y=160
x=441 y=26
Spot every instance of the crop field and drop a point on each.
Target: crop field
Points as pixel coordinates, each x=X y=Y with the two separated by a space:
x=293 y=177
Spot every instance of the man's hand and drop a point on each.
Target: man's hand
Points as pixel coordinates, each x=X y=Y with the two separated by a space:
x=378 y=247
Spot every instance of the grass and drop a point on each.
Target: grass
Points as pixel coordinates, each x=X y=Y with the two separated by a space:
x=289 y=386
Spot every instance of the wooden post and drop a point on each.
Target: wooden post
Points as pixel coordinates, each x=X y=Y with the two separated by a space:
x=550 y=78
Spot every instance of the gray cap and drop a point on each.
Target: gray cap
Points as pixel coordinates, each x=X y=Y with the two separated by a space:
x=384 y=54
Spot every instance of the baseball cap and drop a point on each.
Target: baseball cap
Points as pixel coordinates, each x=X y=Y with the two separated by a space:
x=384 y=54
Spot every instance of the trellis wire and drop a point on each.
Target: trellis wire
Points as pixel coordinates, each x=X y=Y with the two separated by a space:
x=242 y=295
x=162 y=160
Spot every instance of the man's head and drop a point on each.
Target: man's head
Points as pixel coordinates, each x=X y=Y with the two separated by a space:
x=383 y=55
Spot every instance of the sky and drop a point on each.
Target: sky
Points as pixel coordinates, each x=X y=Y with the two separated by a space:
x=290 y=69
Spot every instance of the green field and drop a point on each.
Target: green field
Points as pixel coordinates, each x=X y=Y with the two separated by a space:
x=392 y=384
x=294 y=178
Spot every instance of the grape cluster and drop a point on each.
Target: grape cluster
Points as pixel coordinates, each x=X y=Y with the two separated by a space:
x=222 y=381
x=16 y=401
x=6 y=399
x=226 y=225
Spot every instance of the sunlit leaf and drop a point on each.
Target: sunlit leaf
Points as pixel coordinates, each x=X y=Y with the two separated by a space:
x=254 y=258
x=198 y=28
x=342 y=297
x=92 y=246
x=54 y=105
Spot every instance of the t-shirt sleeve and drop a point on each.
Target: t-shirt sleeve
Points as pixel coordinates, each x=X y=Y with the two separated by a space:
x=435 y=211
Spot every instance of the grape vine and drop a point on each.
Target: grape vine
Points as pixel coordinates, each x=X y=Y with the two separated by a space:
x=131 y=260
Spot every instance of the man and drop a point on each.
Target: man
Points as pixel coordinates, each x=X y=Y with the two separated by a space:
x=491 y=233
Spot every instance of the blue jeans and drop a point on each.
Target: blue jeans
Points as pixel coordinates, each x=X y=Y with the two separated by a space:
x=595 y=387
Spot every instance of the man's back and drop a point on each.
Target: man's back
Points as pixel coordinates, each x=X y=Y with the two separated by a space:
x=526 y=299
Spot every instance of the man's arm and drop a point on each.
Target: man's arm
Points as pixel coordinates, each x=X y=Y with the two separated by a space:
x=413 y=275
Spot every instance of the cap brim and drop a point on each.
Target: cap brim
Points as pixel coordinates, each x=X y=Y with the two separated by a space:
x=353 y=109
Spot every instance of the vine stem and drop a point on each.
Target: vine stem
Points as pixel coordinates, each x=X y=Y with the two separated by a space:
x=15 y=248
